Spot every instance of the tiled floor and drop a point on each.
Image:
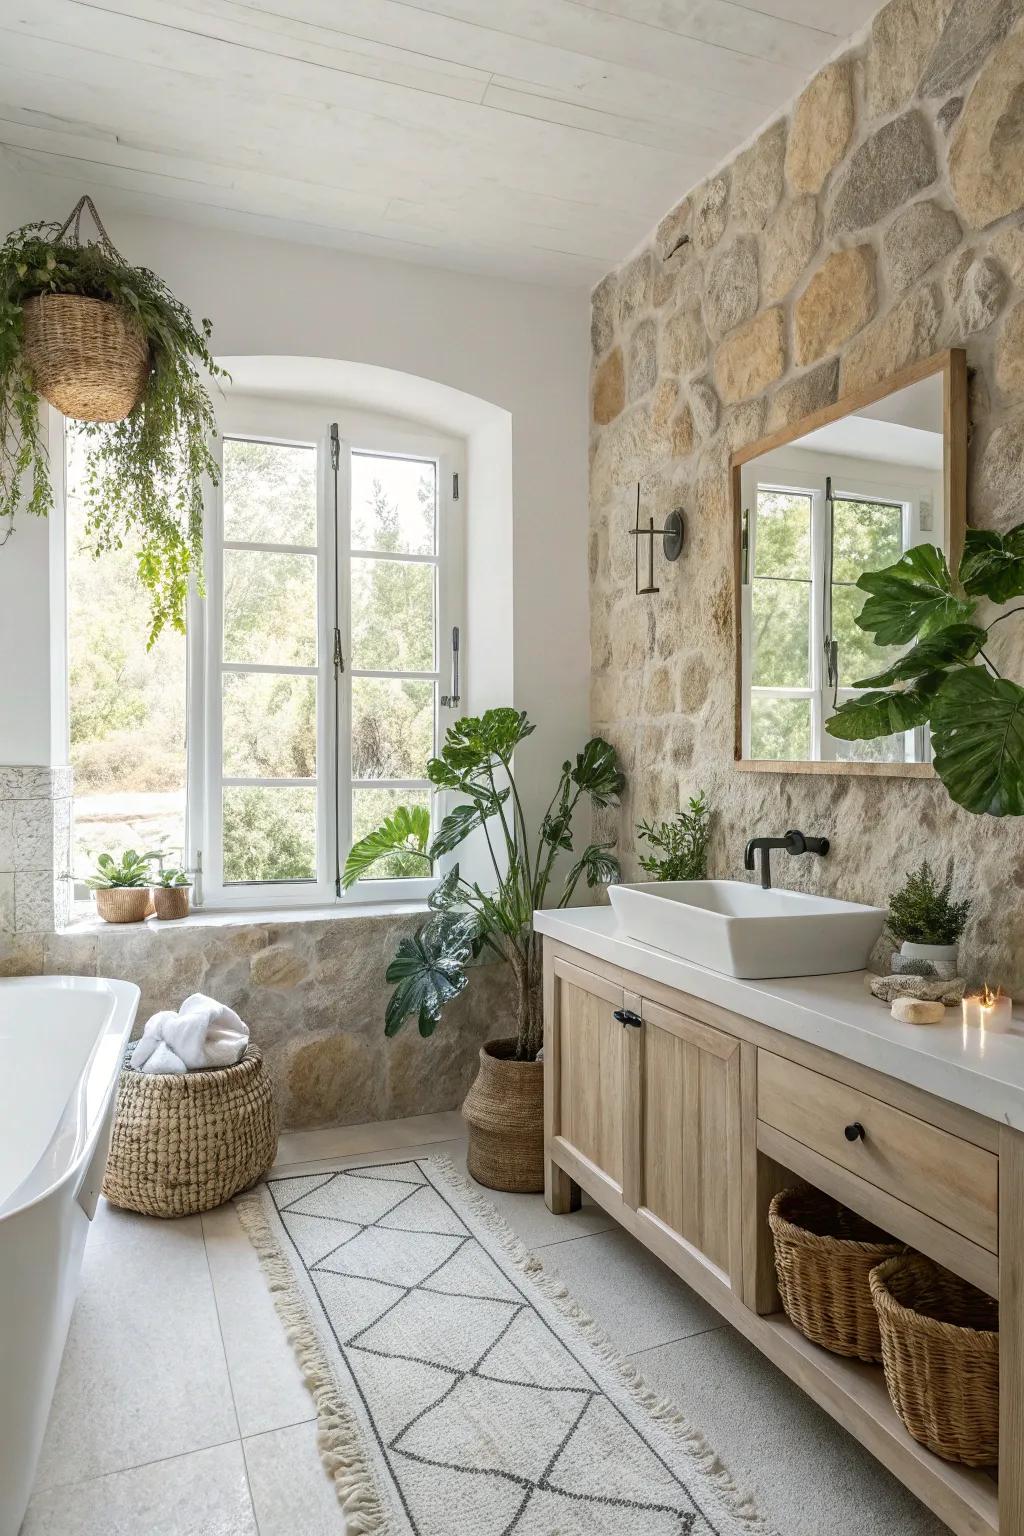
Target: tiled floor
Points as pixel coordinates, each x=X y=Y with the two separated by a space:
x=180 y=1410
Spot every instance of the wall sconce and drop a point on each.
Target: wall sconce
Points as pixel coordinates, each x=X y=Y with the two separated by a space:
x=671 y=544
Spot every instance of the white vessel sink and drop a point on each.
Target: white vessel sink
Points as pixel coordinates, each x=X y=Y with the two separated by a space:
x=741 y=930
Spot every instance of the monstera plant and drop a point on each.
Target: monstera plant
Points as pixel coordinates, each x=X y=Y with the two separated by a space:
x=945 y=679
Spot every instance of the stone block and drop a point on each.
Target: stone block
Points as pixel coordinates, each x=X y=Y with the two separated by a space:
x=758 y=177
x=604 y=305
x=635 y=281
x=972 y=29
x=986 y=158
x=730 y=293
x=837 y=302
x=790 y=242
x=609 y=393
x=684 y=343
x=900 y=337
x=888 y=169
x=916 y=240
x=1010 y=354
x=643 y=359
x=981 y=296
x=752 y=357
x=801 y=396
x=903 y=35
x=712 y=213
x=821 y=127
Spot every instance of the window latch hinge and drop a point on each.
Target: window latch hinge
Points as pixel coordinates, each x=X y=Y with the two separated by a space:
x=339 y=658
x=455 y=487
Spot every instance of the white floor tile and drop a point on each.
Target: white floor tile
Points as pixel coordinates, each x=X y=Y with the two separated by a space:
x=375 y=1136
x=144 y=1374
x=202 y=1494
x=291 y=1492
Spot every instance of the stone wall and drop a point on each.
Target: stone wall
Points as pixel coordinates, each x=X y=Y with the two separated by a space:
x=877 y=222
x=35 y=850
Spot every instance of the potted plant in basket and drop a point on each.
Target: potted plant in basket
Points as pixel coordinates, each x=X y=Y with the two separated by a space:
x=170 y=894
x=122 y=886
x=109 y=345
x=927 y=924
x=504 y=1108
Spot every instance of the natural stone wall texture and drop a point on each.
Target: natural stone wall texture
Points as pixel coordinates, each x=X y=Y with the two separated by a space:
x=35 y=849
x=313 y=994
x=880 y=220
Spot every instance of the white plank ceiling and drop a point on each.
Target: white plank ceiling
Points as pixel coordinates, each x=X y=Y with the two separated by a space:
x=536 y=139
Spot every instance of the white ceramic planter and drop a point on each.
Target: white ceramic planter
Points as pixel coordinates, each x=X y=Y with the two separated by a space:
x=926 y=960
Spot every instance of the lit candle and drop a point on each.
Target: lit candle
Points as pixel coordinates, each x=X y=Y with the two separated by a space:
x=988 y=1010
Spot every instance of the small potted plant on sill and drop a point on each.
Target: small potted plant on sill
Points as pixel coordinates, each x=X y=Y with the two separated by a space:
x=505 y=1106
x=170 y=894
x=122 y=887
x=927 y=923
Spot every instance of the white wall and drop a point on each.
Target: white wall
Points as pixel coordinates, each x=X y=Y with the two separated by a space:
x=519 y=346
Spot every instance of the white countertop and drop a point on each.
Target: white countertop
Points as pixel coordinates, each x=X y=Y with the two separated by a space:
x=978 y=1070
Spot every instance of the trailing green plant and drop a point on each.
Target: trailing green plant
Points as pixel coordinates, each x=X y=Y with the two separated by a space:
x=171 y=879
x=144 y=474
x=132 y=869
x=681 y=842
x=922 y=910
x=945 y=680
x=430 y=969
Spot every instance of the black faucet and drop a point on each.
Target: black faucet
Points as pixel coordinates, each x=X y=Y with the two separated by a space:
x=793 y=842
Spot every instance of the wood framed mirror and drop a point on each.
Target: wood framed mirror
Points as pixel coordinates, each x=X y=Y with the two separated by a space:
x=845 y=490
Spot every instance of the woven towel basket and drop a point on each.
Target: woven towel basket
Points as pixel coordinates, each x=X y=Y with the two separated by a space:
x=823 y=1257
x=504 y=1111
x=185 y=1142
x=87 y=357
x=940 y=1347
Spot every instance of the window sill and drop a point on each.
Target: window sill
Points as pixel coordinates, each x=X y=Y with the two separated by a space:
x=250 y=917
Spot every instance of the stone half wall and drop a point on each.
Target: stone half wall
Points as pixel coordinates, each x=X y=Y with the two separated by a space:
x=879 y=221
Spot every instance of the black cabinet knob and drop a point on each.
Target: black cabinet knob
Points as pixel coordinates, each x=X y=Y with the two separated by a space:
x=855 y=1132
x=627 y=1016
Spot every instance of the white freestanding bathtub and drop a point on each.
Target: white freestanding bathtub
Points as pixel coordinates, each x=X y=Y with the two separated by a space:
x=62 y=1039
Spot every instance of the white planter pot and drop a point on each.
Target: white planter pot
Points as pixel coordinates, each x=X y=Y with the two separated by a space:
x=926 y=960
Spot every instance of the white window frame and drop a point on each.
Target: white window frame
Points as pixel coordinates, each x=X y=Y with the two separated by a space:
x=309 y=424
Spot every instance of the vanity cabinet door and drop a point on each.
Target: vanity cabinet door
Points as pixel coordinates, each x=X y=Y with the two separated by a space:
x=584 y=1052
x=687 y=1167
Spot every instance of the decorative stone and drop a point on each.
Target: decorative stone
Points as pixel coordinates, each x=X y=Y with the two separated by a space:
x=902 y=36
x=1010 y=354
x=790 y=241
x=957 y=272
x=804 y=394
x=972 y=29
x=666 y=398
x=986 y=159
x=1000 y=475
x=757 y=177
x=681 y=438
x=1008 y=248
x=635 y=287
x=915 y=1010
x=684 y=343
x=643 y=359
x=837 y=302
x=821 y=127
x=884 y=173
x=916 y=240
x=752 y=357
x=712 y=214
x=704 y=406
x=889 y=344
x=604 y=303
x=981 y=296
x=730 y=296
x=948 y=113
x=609 y=389
x=673 y=231
x=926 y=988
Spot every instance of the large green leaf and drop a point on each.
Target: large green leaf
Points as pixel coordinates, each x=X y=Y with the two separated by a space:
x=978 y=741
x=598 y=865
x=957 y=644
x=993 y=563
x=447 y=893
x=597 y=772
x=463 y=820
x=885 y=714
x=473 y=742
x=406 y=830
x=913 y=597
x=429 y=970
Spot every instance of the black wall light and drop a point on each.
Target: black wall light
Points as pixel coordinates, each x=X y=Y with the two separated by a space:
x=671 y=544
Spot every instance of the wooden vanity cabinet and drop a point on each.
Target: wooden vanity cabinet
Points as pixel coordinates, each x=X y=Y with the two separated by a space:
x=683 y=1120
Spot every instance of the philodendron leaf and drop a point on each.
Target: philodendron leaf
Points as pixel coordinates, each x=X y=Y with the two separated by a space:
x=978 y=741
x=598 y=865
x=473 y=741
x=446 y=894
x=429 y=970
x=957 y=644
x=463 y=820
x=406 y=830
x=597 y=772
x=885 y=714
x=911 y=598
x=993 y=563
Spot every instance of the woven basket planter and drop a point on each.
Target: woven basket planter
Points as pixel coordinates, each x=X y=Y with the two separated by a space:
x=824 y=1255
x=185 y=1142
x=940 y=1347
x=124 y=903
x=504 y=1111
x=170 y=901
x=87 y=357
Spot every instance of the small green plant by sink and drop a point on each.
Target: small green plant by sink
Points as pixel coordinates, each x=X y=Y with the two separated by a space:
x=922 y=911
x=681 y=844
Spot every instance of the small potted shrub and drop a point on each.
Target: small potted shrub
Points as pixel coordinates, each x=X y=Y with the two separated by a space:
x=927 y=923
x=170 y=894
x=122 y=887
x=681 y=845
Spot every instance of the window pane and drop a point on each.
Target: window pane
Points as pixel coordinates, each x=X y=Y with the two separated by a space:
x=780 y=729
x=781 y=612
x=269 y=726
x=867 y=536
x=392 y=616
x=782 y=538
x=269 y=608
x=269 y=492
x=392 y=728
x=394 y=504
x=269 y=834
x=369 y=808
x=888 y=749
x=127 y=704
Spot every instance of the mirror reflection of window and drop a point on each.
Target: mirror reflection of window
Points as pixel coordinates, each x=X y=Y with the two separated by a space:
x=780 y=640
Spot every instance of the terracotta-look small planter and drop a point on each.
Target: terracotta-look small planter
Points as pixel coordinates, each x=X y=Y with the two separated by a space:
x=504 y=1111
x=123 y=903
x=170 y=901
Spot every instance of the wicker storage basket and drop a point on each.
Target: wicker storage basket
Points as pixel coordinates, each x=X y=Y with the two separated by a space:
x=124 y=903
x=170 y=901
x=85 y=356
x=823 y=1257
x=504 y=1111
x=940 y=1347
x=185 y=1142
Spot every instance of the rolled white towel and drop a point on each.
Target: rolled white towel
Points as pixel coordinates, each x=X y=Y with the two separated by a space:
x=202 y=1034
x=152 y=1053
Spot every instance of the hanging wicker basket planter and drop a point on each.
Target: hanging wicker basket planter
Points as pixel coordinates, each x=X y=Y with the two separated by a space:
x=87 y=357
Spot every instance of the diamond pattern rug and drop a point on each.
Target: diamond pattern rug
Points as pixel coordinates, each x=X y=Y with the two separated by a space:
x=460 y=1390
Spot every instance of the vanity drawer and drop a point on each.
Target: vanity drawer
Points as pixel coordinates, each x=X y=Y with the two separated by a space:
x=949 y=1179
